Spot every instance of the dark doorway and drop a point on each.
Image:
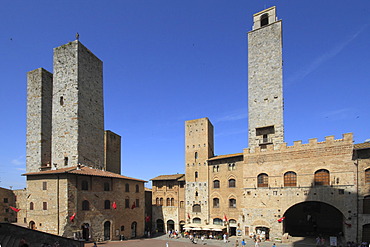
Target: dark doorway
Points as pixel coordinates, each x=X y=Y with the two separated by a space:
x=160 y=225
x=366 y=233
x=107 y=230
x=32 y=225
x=313 y=218
x=232 y=231
x=182 y=224
x=170 y=225
x=133 y=229
x=85 y=231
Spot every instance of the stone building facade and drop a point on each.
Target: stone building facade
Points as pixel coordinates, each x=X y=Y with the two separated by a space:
x=86 y=203
x=74 y=187
x=168 y=205
x=8 y=200
x=270 y=189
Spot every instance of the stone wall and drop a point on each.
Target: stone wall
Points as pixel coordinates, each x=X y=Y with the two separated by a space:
x=265 y=82
x=7 y=199
x=39 y=103
x=112 y=152
x=78 y=114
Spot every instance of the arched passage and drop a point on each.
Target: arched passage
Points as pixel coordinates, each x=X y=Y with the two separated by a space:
x=32 y=225
x=160 y=225
x=312 y=218
x=170 y=225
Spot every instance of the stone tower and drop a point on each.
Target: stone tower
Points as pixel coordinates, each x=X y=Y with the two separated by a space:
x=265 y=82
x=78 y=112
x=39 y=98
x=199 y=147
x=112 y=152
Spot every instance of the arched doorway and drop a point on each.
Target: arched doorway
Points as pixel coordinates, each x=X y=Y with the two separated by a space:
x=85 y=231
x=32 y=225
x=181 y=226
x=366 y=233
x=170 y=225
x=133 y=229
x=107 y=230
x=160 y=225
x=312 y=218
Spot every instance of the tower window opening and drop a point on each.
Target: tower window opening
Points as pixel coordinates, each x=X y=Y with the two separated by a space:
x=264 y=20
x=196 y=174
x=61 y=100
x=196 y=155
x=66 y=161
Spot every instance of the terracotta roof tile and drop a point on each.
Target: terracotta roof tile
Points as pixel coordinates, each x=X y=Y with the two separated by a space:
x=225 y=156
x=362 y=145
x=169 y=177
x=83 y=170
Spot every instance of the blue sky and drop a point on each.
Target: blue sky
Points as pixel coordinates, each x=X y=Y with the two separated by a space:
x=166 y=62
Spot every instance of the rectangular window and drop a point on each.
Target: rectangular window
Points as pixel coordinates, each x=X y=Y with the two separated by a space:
x=7 y=210
x=127 y=203
x=181 y=204
x=170 y=186
x=44 y=185
x=6 y=200
x=45 y=206
x=137 y=203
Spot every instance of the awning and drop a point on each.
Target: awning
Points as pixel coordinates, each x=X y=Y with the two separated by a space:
x=199 y=227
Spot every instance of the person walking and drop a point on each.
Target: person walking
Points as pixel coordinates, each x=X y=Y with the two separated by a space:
x=243 y=243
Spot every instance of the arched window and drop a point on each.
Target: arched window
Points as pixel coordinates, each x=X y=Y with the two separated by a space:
x=264 y=20
x=367 y=175
x=31 y=205
x=366 y=205
x=85 y=205
x=168 y=202
x=84 y=185
x=290 y=179
x=216 y=184
x=232 y=203
x=197 y=220
x=106 y=204
x=217 y=221
x=127 y=188
x=137 y=188
x=232 y=183
x=232 y=222
x=197 y=208
x=216 y=202
x=161 y=201
x=172 y=202
x=262 y=180
x=322 y=177
x=106 y=186
x=157 y=201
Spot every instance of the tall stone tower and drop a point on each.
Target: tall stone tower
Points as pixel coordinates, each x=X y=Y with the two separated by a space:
x=199 y=147
x=78 y=112
x=39 y=102
x=265 y=82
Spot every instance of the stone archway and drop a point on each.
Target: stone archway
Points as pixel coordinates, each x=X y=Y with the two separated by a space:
x=32 y=225
x=312 y=218
x=160 y=225
x=170 y=225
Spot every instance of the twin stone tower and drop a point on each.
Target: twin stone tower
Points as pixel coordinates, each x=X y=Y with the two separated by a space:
x=65 y=114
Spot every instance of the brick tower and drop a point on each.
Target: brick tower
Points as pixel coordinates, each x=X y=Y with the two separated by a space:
x=78 y=112
x=199 y=147
x=265 y=82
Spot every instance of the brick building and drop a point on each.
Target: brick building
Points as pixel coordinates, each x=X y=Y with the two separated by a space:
x=270 y=189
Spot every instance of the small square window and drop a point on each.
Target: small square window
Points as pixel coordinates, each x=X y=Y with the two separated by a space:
x=6 y=200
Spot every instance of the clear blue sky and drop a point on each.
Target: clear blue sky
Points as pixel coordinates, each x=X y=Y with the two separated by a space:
x=170 y=61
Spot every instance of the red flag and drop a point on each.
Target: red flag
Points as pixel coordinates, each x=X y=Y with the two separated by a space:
x=72 y=217
x=188 y=216
x=133 y=206
x=14 y=209
x=114 y=205
x=147 y=218
x=281 y=219
x=225 y=218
